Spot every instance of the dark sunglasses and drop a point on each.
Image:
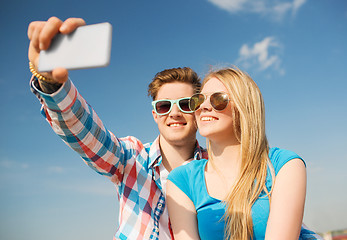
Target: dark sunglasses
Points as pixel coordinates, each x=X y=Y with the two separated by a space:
x=219 y=101
x=164 y=106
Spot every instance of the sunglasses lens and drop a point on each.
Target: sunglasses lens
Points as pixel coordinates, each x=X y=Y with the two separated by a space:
x=163 y=107
x=195 y=101
x=184 y=105
x=219 y=101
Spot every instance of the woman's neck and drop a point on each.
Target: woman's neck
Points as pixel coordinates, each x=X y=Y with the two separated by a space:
x=226 y=155
x=223 y=169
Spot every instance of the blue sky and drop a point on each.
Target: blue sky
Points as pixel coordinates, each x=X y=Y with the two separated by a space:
x=296 y=51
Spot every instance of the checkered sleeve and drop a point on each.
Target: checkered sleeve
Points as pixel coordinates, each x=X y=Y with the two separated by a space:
x=307 y=234
x=80 y=128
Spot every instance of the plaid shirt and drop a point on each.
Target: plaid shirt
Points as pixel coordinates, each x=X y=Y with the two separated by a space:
x=129 y=164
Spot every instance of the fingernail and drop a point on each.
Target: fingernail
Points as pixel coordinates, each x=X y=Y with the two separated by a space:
x=63 y=28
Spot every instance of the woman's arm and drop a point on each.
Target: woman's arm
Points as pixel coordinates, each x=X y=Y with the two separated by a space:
x=287 y=202
x=182 y=213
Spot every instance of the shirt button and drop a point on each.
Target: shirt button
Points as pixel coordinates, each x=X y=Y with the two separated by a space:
x=156 y=229
x=160 y=205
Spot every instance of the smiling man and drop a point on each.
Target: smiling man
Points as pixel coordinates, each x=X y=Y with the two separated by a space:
x=138 y=170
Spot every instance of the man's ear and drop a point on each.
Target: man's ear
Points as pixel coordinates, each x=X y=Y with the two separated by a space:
x=155 y=116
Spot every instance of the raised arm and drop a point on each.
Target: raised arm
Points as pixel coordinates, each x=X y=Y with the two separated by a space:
x=182 y=213
x=70 y=116
x=287 y=202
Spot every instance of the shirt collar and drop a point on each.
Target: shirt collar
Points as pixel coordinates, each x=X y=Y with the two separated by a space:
x=200 y=152
x=156 y=158
x=155 y=154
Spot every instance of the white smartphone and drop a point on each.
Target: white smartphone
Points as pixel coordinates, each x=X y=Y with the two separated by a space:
x=87 y=47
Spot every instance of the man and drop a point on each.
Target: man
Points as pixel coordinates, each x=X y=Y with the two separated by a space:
x=138 y=170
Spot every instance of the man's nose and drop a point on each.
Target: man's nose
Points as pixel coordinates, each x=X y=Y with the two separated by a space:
x=175 y=110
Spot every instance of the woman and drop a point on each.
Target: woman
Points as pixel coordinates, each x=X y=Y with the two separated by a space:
x=246 y=190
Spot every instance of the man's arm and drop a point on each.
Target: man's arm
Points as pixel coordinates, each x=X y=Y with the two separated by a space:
x=68 y=113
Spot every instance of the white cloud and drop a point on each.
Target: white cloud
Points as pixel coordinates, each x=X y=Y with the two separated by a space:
x=297 y=4
x=260 y=56
x=282 y=8
x=10 y=164
x=230 y=5
x=273 y=8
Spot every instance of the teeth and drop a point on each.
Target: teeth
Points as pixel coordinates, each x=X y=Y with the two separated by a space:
x=208 y=119
x=175 y=124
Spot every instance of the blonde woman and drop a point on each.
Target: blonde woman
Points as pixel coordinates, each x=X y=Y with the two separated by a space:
x=246 y=190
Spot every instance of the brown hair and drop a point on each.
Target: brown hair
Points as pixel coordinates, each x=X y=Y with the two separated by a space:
x=185 y=75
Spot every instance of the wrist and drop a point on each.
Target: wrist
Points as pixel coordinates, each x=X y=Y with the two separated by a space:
x=39 y=76
x=48 y=87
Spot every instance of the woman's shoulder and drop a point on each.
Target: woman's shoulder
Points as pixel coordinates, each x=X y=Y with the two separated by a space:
x=189 y=177
x=279 y=157
x=189 y=169
x=195 y=163
x=190 y=166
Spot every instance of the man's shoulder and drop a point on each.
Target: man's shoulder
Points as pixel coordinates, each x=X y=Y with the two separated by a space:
x=135 y=145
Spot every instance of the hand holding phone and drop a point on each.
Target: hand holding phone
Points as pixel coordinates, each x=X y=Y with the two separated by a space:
x=86 y=47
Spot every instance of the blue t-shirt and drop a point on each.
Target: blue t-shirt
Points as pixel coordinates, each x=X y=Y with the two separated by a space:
x=190 y=178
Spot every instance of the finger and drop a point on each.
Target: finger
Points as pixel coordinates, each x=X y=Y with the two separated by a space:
x=71 y=24
x=50 y=29
x=33 y=54
x=32 y=27
x=60 y=75
x=34 y=31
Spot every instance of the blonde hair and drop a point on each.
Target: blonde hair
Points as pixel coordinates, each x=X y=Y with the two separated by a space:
x=249 y=129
